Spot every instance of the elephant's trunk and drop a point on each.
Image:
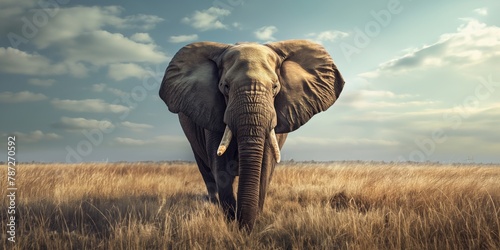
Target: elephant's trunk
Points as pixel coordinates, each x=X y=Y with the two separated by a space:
x=251 y=150
x=250 y=117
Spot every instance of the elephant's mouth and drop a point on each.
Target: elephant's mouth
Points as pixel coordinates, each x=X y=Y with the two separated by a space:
x=228 y=135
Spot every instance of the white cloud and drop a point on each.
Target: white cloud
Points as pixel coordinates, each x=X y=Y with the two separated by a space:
x=41 y=82
x=12 y=9
x=35 y=136
x=237 y=25
x=98 y=87
x=455 y=124
x=140 y=21
x=363 y=98
x=438 y=88
x=130 y=142
x=473 y=44
x=158 y=140
x=266 y=33
x=89 y=105
x=122 y=71
x=117 y=92
x=102 y=47
x=363 y=104
x=168 y=139
x=457 y=61
x=482 y=11
x=101 y=87
x=142 y=38
x=208 y=19
x=137 y=127
x=327 y=36
x=331 y=142
x=19 y=97
x=381 y=94
x=79 y=124
x=80 y=35
x=183 y=38
x=14 y=61
x=69 y=24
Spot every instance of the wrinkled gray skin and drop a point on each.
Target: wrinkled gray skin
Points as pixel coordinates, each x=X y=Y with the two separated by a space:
x=251 y=88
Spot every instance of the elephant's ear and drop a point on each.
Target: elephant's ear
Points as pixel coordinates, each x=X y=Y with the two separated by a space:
x=310 y=83
x=190 y=84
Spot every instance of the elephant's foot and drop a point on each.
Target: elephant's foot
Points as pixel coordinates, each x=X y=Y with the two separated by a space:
x=228 y=205
x=229 y=213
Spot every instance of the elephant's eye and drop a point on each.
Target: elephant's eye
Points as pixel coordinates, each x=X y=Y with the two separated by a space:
x=226 y=89
x=276 y=88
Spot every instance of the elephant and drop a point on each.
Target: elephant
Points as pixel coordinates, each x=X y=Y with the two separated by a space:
x=237 y=103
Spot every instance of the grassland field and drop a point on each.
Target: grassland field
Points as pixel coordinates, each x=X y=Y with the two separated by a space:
x=338 y=205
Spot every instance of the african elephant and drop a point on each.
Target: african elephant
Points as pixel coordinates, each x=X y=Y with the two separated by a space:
x=236 y=104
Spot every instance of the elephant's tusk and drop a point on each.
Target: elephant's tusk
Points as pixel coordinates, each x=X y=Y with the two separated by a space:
x=274 y=146
x=224 y=143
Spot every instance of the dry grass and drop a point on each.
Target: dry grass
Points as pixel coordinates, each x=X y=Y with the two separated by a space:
x=322 y=206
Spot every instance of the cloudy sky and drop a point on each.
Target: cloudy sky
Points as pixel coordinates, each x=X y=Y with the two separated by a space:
x=79 y=79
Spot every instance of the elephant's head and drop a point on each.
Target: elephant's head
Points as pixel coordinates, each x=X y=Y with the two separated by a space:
x=253 y=91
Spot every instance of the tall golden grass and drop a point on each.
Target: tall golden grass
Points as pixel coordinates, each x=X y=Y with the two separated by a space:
x=321 y=206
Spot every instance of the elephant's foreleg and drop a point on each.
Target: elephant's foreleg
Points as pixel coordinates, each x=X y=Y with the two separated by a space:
x=208 y=178
x=226 y=193
x=196 y=137
x=224 y=169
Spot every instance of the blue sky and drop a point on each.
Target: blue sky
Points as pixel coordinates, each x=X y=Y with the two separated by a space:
x=79 y=79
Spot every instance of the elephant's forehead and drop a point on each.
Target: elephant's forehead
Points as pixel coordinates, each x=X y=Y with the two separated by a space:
x=250 y=52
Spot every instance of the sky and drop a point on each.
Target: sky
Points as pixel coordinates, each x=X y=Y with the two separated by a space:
x=79 y=80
